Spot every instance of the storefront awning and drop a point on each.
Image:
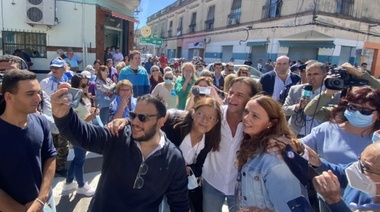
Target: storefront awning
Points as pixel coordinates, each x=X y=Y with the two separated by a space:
x=307 y=44
x=257 y=43
x=124 y=17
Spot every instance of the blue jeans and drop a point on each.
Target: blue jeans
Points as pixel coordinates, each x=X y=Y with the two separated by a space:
x=213 y=199
x=104 y=114
x=77 y=167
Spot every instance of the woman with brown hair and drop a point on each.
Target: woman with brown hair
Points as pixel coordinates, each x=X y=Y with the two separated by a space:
x=265 y=181
x=196 y=133
x=104 y=92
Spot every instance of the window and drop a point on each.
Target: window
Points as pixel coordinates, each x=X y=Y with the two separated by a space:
x=234 y=16
x=345 y=7
x=272 y=9
x=210 y=18
x=179 y=29
x=170 y=31
x=33 y=44
x=193 y=22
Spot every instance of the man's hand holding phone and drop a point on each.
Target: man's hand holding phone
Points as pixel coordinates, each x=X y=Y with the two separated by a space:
x=59 y=103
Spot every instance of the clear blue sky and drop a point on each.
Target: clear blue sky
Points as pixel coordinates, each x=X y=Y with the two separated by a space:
x=149 y=7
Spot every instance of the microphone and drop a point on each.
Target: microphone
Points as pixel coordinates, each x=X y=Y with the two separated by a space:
x=307 y=91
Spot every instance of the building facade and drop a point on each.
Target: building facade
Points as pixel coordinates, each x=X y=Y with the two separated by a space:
x=40 y=27
x=333 y=31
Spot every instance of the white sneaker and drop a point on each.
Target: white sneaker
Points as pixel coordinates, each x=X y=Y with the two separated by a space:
x=86 y=190
x=70 y=186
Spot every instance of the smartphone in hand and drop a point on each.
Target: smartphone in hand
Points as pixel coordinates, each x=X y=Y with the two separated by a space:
x=74 y=95
x=300 y=204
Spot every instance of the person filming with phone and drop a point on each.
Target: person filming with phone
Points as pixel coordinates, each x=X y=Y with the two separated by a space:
x=140 y=165
x=202 y=88
x=300 y=95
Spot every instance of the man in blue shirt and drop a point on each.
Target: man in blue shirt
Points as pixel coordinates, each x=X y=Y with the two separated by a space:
x=27 y=162
x=136 y=74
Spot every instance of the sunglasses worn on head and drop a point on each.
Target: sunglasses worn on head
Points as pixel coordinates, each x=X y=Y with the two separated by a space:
x=141 y=117
x=139 y=181
x=363 y=111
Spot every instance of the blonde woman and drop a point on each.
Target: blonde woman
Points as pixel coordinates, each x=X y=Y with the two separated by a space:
x=243 y=72
x=184 y=83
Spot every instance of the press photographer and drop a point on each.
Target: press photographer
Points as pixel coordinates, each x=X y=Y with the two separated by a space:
x=300 y=95
x=352 y=77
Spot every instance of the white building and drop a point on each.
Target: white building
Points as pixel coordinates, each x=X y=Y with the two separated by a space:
x=40 y=27
x=333 y=31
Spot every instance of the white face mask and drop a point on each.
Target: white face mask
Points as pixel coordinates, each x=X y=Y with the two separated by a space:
x=358 y=180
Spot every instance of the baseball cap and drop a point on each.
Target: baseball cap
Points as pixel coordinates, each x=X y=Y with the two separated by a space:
x=87 y=74
x=57 y=63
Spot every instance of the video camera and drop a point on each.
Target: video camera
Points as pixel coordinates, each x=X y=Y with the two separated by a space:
x=342 y=80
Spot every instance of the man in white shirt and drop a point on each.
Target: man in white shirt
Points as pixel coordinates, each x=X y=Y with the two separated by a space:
x=219 y=170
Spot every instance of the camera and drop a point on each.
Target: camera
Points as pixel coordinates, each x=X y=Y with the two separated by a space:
x=342 y=79
x=200 y=91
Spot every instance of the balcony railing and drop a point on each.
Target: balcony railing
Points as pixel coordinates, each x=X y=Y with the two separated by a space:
x=345 y=7
x=271 y=10
x=192 y=28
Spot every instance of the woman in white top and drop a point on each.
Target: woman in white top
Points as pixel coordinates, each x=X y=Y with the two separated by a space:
x=166 y=90
x=86 y=113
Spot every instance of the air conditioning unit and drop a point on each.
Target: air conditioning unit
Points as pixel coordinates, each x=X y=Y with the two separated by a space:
x=40 y=12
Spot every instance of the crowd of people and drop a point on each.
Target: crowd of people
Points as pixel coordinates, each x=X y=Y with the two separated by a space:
x=179 y=137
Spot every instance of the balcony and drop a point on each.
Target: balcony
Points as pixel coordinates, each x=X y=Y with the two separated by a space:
x=192 y=28
x=170 y=31
x=234 y=19
x=345 y=7
x=271 y=10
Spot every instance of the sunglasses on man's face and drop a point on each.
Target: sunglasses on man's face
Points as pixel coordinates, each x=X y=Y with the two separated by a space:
x=141 y=117
x=363 y=111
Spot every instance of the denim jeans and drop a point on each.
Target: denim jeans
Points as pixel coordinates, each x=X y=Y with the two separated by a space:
x=77 y=167
x=214 y=199
x=104 y=113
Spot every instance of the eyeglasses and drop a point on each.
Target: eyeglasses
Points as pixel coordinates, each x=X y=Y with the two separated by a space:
x=154 y=70
x=168 y=78
x=139 y=181
x=363 y=111
x=84 y=85
x=141 y=117
x=363 y=168
x=207 y=118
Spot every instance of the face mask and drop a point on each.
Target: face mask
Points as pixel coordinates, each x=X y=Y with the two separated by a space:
x=199 y=73
x=376 y=136
x=168 y=81
x=360 y=181
x=357 y=119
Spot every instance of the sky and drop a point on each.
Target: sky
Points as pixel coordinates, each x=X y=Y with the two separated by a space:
x=149 y=7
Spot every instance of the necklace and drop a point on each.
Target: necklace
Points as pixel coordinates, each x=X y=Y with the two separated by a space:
x=196 y=153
